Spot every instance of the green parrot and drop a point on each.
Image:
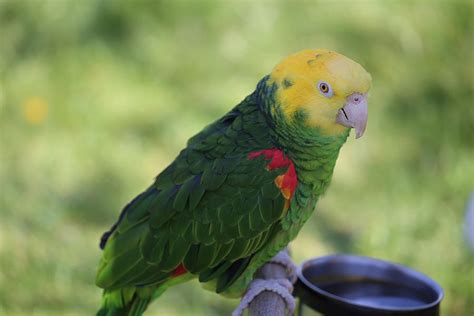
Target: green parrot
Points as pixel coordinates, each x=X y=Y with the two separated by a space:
x=241 y=189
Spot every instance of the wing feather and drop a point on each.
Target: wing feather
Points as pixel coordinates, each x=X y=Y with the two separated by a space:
x=212 y=209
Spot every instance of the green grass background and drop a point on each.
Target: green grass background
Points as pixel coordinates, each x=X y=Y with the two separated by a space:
x=98 y=96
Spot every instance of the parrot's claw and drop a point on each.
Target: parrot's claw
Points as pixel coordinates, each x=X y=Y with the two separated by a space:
x=282 y=287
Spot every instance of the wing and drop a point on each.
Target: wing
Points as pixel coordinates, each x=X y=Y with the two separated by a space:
x=209 y=211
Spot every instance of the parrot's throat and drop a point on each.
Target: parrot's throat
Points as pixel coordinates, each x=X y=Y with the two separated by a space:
x=315 y=165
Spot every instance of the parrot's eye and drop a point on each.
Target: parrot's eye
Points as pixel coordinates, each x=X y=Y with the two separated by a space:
x=325 y=89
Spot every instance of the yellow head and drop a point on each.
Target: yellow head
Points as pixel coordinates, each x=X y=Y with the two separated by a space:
x=327 y=89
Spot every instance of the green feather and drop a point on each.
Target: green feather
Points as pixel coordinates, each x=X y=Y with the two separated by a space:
x=140 y=211
x=238 y=249
x=164 y=179
x=265 y=206
x=196 y=194
x=150 y=276
x=225 y=165
x=230 y=214
x=181 y=198
x=270 y=190
x=256 y=222
x=188 y=233
x=244 y=227
x=232 y=274
x=181 y=174
x=225 y=249
x=179 y=225
x=206 y=255
x=202 y=233
x=152 y=247
x=119 y=243
x=198 y=165
x=212 y=273
x=162 y=208
x=231 y=133
x=199 y=257
x=110 y=274
x=190 y=259
x=210 y=180
x=177 y=250
x=228 y=231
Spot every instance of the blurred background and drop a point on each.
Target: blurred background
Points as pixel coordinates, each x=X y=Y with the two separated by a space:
x=98 y=96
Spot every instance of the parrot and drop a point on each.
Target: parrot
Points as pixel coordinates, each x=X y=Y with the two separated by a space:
x=240 y=190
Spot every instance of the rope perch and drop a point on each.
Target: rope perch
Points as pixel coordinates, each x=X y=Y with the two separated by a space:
x=270 y=292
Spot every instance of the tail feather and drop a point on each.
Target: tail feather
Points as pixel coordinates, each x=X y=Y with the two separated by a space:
x=123 y=302
x=138 y=306
x=112 y=311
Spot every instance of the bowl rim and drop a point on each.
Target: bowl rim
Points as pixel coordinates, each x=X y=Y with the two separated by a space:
x=347 y=258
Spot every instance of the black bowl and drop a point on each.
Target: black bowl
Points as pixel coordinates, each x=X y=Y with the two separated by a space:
x=354 y=285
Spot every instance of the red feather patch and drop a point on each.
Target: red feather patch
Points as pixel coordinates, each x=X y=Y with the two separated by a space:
x=180 y=270
x=286 y=182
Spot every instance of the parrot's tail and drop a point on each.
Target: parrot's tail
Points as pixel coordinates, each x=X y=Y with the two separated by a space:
x=115 y=303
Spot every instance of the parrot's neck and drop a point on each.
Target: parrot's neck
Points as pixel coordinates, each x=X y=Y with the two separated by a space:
x=314 y=163
x=314 y=166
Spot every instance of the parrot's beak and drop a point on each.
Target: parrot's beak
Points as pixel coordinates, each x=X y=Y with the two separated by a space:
x=354 y=113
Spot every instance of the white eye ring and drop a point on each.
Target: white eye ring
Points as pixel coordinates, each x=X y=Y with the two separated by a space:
x=325 y=89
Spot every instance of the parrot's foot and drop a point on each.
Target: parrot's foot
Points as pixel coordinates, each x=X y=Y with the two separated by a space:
x=283 y=258
x=282 y=287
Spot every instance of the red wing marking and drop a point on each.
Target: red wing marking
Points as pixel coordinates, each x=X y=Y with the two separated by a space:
x=286 y=182
x=180 y=270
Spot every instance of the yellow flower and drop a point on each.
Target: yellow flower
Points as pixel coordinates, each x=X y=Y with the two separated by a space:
x=35 y=110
